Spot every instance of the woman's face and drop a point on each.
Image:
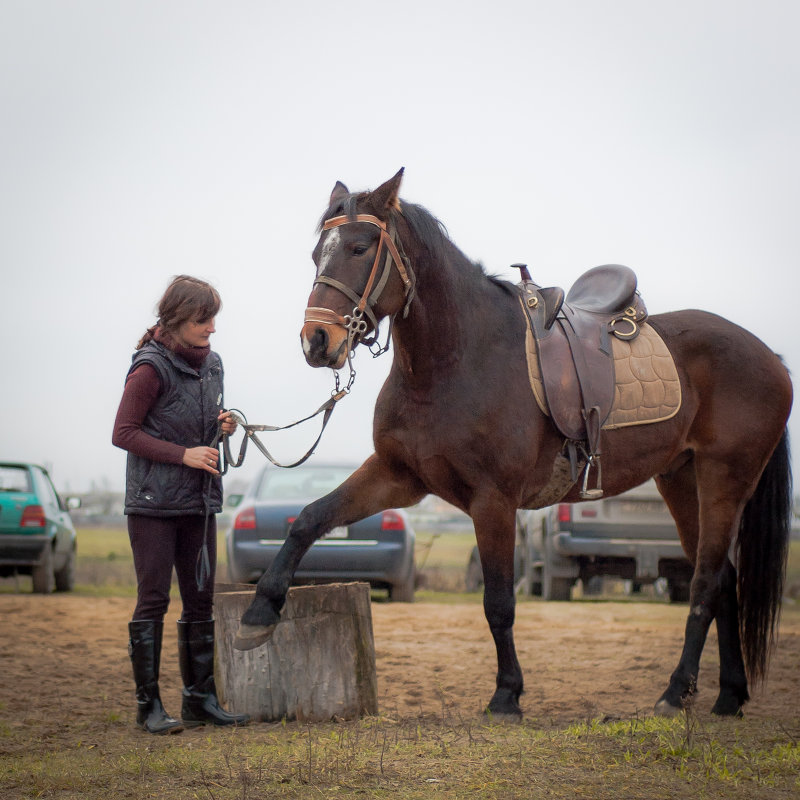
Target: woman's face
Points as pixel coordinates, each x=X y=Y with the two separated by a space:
x=195 y=334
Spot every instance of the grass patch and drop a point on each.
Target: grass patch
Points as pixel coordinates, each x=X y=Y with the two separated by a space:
x=442 y=558
x=380 y=757
x=792 y=588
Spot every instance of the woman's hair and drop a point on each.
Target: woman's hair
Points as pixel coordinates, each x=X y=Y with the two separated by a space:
x=186 y=299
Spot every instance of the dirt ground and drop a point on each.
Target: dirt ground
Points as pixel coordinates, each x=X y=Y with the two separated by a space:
x=64 y=662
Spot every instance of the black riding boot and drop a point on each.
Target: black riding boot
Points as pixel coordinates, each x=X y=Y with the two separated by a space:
x=144 y=648
x=196 y=658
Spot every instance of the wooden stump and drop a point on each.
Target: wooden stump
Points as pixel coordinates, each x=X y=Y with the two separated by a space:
x=319 y=663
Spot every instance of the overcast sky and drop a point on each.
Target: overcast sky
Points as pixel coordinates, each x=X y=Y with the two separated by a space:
x=141 y=139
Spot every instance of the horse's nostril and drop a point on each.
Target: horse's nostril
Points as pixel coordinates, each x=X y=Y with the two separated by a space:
x=320 y=339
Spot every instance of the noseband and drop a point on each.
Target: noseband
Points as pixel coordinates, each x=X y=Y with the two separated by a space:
x=354 y=323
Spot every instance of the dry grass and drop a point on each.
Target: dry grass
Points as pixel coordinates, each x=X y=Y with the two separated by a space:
x=411 y=758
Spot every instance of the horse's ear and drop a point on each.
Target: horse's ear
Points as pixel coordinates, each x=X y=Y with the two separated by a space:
x=339 y=192
x=386 y=196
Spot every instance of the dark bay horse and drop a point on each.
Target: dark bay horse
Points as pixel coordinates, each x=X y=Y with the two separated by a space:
x=456 y=417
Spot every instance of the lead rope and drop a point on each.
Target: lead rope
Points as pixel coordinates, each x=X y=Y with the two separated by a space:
x=203 y=565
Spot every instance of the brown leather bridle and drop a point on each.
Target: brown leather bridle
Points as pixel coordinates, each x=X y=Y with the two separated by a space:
x=354 y=323
x=356 y=326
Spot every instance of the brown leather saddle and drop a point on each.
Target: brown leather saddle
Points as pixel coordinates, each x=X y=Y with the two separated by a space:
x=573 y=346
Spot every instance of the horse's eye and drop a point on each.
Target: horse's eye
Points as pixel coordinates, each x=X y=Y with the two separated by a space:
x=360 y=249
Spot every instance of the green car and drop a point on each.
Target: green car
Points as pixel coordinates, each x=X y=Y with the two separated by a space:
x=37 y=537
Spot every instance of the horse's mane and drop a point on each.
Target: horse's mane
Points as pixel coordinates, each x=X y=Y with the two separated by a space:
x=430 y=232
x=433 y=234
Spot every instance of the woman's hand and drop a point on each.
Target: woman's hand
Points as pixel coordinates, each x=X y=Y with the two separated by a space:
x=227 y=422
x=202 y=458
x=207 y=457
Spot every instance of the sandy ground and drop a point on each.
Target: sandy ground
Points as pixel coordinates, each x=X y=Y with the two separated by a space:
x=64 y=662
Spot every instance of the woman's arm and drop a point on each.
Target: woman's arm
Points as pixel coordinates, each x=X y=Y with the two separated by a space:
x=141 y=392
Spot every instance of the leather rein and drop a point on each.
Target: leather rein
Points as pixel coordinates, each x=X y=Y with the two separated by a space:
x=354 y=323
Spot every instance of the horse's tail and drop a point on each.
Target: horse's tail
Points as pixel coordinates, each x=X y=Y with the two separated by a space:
x=761 y=550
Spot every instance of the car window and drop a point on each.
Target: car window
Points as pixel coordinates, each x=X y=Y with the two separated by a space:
x=52 y=490
x=44 y=489
x=15 y=479
x=301 y=484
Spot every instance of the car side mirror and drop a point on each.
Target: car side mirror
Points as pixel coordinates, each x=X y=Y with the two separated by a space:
x=73 y=503
x=233 y=500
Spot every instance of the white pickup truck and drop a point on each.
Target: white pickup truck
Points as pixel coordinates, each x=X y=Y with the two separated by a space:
x=631 y=536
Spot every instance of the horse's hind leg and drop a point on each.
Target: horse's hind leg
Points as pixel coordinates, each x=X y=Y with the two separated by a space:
x=733 y=692
x=495 y=533
x=706 y=500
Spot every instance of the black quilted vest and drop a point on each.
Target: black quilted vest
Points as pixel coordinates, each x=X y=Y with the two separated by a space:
x=184 y=413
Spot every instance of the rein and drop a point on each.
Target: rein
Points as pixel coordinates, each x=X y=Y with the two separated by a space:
x=326 y=409
x=354 y=323
x=203 y=565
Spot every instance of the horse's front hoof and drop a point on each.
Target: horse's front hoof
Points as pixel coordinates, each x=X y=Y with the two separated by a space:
x=248 y=637
x=504 y=707
x=501 y=717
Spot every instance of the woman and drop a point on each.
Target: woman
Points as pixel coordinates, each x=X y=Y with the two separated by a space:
x=170 y=414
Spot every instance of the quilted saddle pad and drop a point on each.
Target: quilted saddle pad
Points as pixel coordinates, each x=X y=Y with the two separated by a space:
x=647 y=387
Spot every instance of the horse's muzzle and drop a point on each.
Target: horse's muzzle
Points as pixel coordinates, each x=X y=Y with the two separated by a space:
x=324 y=345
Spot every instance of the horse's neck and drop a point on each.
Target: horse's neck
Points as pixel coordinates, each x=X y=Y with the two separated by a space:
x=447 y=319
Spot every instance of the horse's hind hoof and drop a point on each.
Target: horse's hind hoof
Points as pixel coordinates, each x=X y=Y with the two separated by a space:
x=727 y=706
x=248 y=637
x=664 y=708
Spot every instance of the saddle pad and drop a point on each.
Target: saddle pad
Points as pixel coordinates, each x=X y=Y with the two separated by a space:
x=647 y=388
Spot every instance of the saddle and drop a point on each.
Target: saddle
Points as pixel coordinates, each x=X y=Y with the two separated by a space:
x=576 y=363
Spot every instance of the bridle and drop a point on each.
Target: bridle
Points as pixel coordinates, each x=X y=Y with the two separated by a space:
x=354 y=323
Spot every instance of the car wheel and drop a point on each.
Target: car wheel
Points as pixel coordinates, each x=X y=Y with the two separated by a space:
x=678 y=592
x=593 y=586
x=65 y=577
x=556 y=588
x=234 y=576
x=43 y=578
x=474 y=578
x=553 y=588
x=404 y=592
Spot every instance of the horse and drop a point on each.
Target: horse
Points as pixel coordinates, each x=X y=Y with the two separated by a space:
x=456 y=418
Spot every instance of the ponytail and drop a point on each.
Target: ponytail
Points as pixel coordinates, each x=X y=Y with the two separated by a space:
x=147 y=336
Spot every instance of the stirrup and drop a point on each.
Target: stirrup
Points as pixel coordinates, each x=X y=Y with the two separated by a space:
x=597 y=492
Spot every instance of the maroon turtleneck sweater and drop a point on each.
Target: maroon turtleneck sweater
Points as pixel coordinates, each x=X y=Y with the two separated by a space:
x=142 y=388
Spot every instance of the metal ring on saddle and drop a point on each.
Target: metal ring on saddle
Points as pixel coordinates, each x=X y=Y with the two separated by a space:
x=623 y=334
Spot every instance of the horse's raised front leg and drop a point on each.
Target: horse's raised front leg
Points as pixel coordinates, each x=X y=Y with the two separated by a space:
x=370 y=489
x=495 y=530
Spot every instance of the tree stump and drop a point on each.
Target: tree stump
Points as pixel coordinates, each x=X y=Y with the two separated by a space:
x=318 y=664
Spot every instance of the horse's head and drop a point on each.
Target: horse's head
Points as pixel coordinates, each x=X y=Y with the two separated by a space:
x=361 y=277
